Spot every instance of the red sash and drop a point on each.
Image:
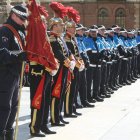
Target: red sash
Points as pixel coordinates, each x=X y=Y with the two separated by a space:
x=57 y=88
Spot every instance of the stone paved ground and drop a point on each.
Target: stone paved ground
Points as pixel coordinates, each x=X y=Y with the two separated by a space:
x=117 y=118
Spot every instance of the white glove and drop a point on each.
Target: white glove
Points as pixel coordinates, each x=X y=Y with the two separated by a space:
x=53 y=73
x=81 y=67
x=72 y=63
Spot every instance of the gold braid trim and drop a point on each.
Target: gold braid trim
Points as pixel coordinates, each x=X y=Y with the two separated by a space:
x=67 y=63
x=78 y=64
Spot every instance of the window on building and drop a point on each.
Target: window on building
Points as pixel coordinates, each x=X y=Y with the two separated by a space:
x=103 y=17
x=120 y=17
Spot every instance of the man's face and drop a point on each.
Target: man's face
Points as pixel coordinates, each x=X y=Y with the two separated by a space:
x=59 y=28
x=86 y=33
x=101 y=32
x=71 y=30
x=93 y=34
x=80 y=32
x=124 y=34
x=17 y=19
x=117 y=30
x=130 y=35
x=111 y=34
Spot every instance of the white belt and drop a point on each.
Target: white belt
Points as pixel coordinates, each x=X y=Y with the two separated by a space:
x=92 y=65
x=125 y=58
x=94 y=51
x=109 y=62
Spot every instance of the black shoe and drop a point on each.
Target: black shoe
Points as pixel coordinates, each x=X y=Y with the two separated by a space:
x=91 y=100
x=113 y=88
x=78 y=114
x=102 y=96
x=131 y=80
x=65 y=122
x=57 y=124
x=37 y=134
x=107 y=95
x=123 y=84
x=98 y=99
x=137 y=76
x=109 y=90
x=70 y=116
x=78 y=106
x=127 y=82
x=2 y=136
x=47 y=131
x=134 y=78
x=9 y=135
x=88 y=105
x=119 y=85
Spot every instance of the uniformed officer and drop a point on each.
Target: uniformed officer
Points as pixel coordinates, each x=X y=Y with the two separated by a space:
x=93 y=47
x=42 y=69
x=120 y=49
x=10 y=68
x=100 y=35
x=82 y=85
x=66 y=61
x=125 y=62
x=86 y=33
x=72 y=45
x=138 y=41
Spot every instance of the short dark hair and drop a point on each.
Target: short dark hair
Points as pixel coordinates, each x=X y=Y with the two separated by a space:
x=53 y=26
x=11 y=12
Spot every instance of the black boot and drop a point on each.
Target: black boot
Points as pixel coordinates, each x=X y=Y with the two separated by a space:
x=96 y=97
x=103 y=92
x=9 y=135
x=2 y=135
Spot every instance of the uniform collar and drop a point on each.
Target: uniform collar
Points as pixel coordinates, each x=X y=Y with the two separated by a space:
x=70 y=35
x=56 y=34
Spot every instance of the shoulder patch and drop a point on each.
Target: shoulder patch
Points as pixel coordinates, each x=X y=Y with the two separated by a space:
x=4 y=39
x=52 y=38
x=87 y=44
x=67 y=39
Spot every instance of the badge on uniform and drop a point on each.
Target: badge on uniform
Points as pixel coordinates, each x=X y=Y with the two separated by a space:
x=4 y=39
x=86 y=44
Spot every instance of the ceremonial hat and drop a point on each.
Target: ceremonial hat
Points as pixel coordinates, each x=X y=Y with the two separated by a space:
x=130 y=32
x=93 y=28
x=80 y=27
x=101 y=27
x=20 y=11
x=116 y=27
x=110 y=30
x=60 y=11
x=122 y=30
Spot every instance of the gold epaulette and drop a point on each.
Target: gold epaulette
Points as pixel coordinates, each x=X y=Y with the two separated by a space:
x=52 y=38
x=67 y=39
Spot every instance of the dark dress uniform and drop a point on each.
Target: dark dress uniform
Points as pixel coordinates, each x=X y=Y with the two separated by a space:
x=9 y=74
x=39 y=117
x=82 y=85
x=70 y=106
x=62 y=54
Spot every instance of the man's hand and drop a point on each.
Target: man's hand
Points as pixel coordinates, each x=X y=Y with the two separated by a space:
x=22 y=56
x=81 y=68
x=53 y=73
x=72 y=63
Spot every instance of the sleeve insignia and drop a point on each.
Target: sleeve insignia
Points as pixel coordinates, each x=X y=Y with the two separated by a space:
x=87 y=44
x=4 y=39
x=52 y=38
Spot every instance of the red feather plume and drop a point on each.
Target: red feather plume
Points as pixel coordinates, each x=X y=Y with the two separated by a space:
x=73 y=14
x=59 y=9
x=43 y=11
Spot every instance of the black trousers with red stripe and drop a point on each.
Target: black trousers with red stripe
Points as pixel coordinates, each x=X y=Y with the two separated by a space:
x=39 y=116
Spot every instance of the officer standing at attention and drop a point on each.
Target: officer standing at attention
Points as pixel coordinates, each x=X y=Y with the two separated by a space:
x=82 y=85
x=66 y=61
x=93 y=48
x=10 y=68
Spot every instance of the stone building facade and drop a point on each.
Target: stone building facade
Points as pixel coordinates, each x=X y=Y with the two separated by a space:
x=125 y=13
